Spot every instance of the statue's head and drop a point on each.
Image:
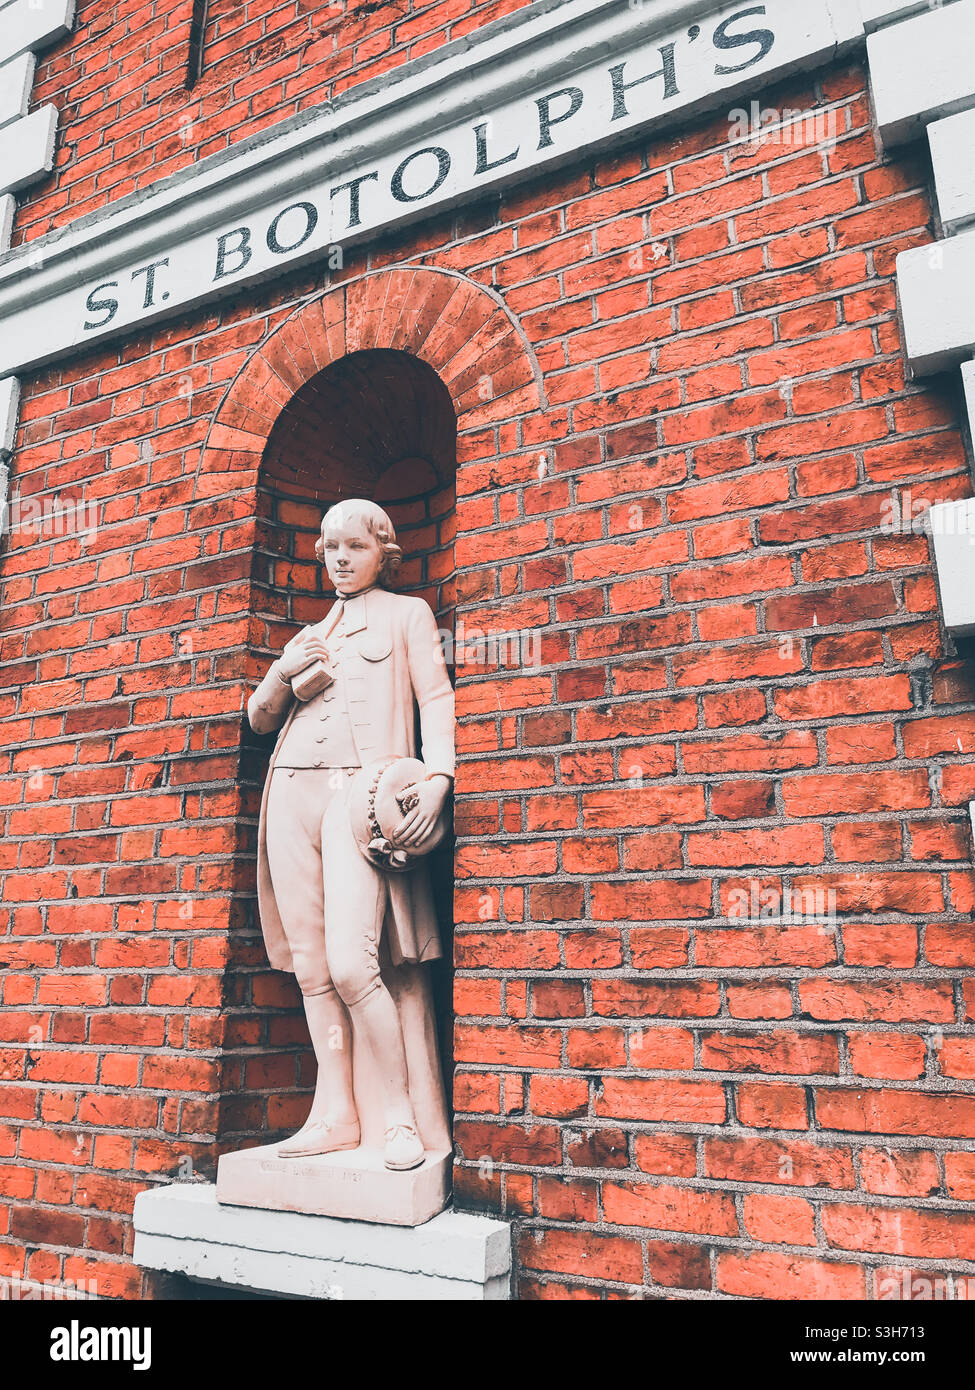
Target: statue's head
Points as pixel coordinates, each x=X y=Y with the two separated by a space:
x=358 y=546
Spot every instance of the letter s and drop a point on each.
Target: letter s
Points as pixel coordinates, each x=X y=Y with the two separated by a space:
x=723 y=40
x=94 y=306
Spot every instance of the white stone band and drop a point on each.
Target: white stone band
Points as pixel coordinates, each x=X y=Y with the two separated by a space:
x=504 y=104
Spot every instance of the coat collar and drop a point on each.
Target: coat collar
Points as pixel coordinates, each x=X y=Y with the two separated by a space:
x=355 y=614
x=354 y=611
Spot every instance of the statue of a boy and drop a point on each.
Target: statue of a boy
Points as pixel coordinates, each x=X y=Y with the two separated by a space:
x=344 y=694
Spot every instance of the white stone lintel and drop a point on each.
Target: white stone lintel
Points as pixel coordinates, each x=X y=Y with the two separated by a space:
x=922 y=69
x=182 y=1229
x=27 y=149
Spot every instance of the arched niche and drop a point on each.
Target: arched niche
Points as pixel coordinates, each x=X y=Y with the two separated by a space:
x=377 y=423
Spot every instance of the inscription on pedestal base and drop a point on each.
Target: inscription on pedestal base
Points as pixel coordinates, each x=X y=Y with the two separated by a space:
x=352 y=1183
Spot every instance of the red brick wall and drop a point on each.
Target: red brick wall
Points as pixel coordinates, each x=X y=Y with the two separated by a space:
x=742 y=675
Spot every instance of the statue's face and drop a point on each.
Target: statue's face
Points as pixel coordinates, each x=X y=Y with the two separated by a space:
x=353 y=555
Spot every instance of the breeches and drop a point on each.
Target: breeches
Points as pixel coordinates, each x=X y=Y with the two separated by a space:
x=331 y=900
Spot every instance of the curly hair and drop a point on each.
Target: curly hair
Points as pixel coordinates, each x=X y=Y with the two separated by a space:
x=376 y=522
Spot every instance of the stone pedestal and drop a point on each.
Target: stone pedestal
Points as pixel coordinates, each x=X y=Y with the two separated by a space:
x=353 y=1184
x=183 y=1229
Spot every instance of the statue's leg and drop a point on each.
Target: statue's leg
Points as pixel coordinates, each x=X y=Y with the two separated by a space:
x=355 y=905
x=294 y=858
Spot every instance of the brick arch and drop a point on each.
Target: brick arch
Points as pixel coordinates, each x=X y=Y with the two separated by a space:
x=459 y=327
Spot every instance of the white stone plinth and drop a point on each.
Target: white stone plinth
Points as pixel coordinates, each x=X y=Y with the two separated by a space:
x=183 y=1229
x=353 y=1184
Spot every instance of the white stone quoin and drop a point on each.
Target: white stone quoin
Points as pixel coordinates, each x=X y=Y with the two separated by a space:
x=27 y=149
x=952 y=143
x=968 y=383
x=953 y=532
x=27 y=141
x=936 y=286
x=16 y=78
x=8 y=206
x=182 y=1229
x=921 y=69
x=9 y=401
x=26 y=25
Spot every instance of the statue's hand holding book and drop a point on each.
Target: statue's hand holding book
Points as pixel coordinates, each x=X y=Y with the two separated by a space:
x=307 y=663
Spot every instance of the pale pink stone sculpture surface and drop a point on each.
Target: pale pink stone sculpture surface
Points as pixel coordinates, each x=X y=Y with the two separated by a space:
x=345 y=695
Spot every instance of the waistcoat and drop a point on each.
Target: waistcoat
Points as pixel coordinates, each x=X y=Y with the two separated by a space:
x=321 y=731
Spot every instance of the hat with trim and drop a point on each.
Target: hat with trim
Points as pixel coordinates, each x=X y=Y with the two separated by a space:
x=379 y=797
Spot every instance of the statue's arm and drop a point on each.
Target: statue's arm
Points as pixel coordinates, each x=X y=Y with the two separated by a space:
x=433 y=691
x=267 y=708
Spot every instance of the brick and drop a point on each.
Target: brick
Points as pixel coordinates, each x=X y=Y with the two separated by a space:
x=897 y=1001
x=613 y=1258
x=766 y=1274
x=779 y=1220
x=770 y=1106
x=933 y=1235
x=794 y=1163
x=856 y=792
x=897 y=1172
x=662 y=1207
x=801 y=1053
x=698 y=1102
x=896 y=1112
